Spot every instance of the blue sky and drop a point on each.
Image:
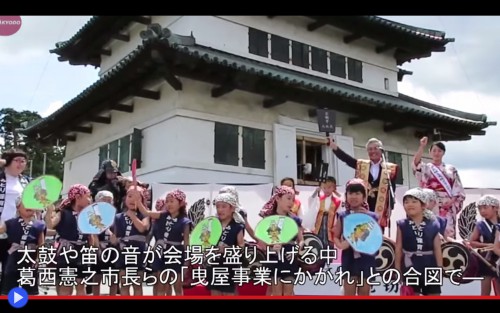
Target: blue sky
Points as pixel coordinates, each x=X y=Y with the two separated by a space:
x=465 y=77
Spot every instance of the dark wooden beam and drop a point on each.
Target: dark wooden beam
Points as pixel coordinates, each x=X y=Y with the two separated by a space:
x=81 y=129
x=70 y=137
x=172 y=80
x=272 y=102
x=358 y=120
x=222 y=90
x=350 y=38
x=390 y=127
x=122 y=37
x=478 y=133
x=143 y=20
x=442 y=135
x=148 y=94
x=315 y=25
x=106 y=52
x=100 y=119
x=461 y=138
x=122 y=107
x=383 y=48
x=312 y=112
x=402 y=73
x=400 y=54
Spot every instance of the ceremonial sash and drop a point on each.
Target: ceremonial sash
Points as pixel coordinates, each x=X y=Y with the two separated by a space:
x=438 y=174
x=334 y=205
x=363 y=172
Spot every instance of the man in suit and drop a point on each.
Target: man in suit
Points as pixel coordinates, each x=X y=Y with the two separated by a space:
x=374 y=173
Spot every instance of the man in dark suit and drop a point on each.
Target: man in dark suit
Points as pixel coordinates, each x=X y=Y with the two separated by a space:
x=374 y=173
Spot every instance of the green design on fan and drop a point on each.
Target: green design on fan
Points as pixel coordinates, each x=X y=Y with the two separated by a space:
x=276 y=229
x=206 y=233
x=41 y=192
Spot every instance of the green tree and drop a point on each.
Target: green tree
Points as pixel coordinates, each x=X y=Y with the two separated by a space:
x=11 y=123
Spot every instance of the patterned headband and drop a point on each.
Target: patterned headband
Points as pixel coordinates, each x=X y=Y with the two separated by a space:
x=279 y=192
x=431 y=195
x=358 y=182
x=488 y=200
x=417 y=193
x=226 y=198
x=74 y=191
x=177 y=194
x=160 y=204
x=232 y=191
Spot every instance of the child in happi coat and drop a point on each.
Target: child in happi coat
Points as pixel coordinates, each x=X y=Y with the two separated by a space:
x=171 y=231
x=242 y=214
x=431 y=202
x=359 y=266
x=131 y=228
x=483 y=237
x=220 y=272
x=418 y=244
x=106 y=241
x=70 y=238
x=323 y=205
x=290 y=182
x=239 y=209
x=286 y=258
x=25 y=232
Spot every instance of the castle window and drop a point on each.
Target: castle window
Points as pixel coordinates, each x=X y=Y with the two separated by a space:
x=226 y=144
x=319 y=60
x=258 y=42
x=122 y=151
x=337 y=65
x=300 y=54
x=254 y=141
x=280 y=49
x=354 y=70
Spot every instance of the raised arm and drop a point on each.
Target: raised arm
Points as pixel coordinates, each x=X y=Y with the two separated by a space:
x=50 y=219
x=141 y=225
x=417 y=158
x=152 y=214
x=341 y=155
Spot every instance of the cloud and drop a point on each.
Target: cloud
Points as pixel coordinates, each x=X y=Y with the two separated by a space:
x=53 y=106
x=476 y=159
x=38 y=34
x=467 y=63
